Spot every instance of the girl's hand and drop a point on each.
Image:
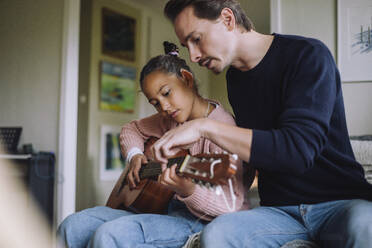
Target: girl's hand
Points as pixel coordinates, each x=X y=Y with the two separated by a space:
x=183 y=186
x=134 y=168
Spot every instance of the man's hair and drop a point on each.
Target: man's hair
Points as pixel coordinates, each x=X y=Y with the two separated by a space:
x=208 y=9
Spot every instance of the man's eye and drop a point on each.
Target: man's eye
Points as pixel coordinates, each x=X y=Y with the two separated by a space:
x=196 y=40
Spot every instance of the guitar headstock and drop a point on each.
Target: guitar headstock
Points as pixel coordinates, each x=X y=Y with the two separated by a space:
x=209 y=168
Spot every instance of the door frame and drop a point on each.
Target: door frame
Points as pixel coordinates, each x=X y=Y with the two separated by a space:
x=67 y=137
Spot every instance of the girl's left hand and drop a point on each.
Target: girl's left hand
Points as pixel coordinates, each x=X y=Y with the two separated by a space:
x=183 y=186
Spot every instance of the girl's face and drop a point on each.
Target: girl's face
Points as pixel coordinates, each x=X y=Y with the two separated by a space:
x=170 y=95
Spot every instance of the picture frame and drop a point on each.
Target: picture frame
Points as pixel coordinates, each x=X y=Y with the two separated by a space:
x=354 y=40
x=118 y=35
x=112 y=162
x=117 y=87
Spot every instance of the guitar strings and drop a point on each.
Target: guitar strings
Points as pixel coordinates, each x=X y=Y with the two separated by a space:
x=154 y=168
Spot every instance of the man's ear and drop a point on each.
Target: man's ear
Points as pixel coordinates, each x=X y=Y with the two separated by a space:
x=188 y=78
x=228 y=18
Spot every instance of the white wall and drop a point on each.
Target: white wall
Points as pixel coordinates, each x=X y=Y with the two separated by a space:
x=318 y=19
x=30 y=62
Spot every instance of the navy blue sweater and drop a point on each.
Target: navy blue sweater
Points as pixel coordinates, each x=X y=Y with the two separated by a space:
x=293 y=102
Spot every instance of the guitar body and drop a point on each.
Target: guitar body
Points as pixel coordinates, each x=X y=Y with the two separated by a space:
x=148 y=197
x=154 y=198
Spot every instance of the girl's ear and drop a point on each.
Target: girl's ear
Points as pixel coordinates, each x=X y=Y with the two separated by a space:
x=188 y=77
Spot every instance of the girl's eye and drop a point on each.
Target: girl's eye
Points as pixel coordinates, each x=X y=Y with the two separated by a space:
x=197 y=40
x=154 y=103
x=166 y=93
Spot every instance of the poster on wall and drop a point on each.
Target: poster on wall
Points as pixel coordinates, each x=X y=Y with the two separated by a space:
x=112 y=161
x=117 y=87
x=118 y=35
x=355 y=40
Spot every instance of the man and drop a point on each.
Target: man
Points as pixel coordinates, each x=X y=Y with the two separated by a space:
x=286 y=95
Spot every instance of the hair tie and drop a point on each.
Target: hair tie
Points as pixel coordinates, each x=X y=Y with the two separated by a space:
x=170 y=49
x=174 y=53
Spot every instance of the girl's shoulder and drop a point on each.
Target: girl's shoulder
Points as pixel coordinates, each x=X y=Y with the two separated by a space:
x=220 y=113
x=156 y=121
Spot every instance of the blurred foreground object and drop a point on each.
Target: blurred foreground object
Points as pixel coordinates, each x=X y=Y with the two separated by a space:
x=21 y=223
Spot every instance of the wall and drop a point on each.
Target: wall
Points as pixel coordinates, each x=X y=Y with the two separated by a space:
x=30 y=62
x=154 y=30
x=318 y=19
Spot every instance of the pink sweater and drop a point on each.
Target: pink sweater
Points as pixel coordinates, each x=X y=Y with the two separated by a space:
x=204 y=202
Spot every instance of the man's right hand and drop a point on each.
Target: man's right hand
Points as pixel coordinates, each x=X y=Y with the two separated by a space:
x=134 y=168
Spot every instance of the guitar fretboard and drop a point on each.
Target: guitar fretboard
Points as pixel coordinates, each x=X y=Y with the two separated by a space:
x=154 y=169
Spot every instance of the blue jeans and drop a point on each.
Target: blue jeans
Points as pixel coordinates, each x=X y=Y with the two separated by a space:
x=344 y=223
x=106 y=227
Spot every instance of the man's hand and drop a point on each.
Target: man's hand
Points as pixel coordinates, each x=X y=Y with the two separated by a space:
x=177 y=139
x=134 y=168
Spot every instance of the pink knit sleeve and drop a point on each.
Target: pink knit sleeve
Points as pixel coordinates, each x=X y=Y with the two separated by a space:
x=204 y=202
x=136 y=133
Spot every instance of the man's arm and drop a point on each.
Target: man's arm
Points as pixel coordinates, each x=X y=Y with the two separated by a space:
x=234 y=139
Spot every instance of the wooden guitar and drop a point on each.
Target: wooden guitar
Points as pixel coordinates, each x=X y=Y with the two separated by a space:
x=152 y=197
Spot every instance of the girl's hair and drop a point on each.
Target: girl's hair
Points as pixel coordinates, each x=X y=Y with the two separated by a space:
x=169 y=63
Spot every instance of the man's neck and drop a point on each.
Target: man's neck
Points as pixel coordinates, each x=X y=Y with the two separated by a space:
x=251 y=49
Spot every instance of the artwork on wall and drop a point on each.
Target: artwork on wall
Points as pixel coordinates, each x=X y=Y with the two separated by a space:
x=117 y=87
x=112 y=162
x=355 y=40
x=118 y=35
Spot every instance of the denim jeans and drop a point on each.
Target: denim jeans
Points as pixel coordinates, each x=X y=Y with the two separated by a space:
x=106 y=227
x=344 y=223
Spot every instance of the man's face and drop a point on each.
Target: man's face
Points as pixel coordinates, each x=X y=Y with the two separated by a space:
x=209 y=42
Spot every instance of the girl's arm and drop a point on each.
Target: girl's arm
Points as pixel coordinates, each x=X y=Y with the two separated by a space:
x=133 y=137
x=134 y=134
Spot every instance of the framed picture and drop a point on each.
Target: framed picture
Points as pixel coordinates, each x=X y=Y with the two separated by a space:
x=112 y=162
x=355 y=40
x=117 y=87
x=118 y=35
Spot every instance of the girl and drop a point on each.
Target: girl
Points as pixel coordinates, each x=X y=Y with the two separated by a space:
x=169 y=86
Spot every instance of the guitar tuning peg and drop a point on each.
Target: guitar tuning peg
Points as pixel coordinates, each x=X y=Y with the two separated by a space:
x=203 y=159
x=204 y=174
x=200 y=183
x=211 y=159
x=216 y=152
x=208 y=185
x=196 y=173
x=193 y=180
x=235 y=156
x=225 y=152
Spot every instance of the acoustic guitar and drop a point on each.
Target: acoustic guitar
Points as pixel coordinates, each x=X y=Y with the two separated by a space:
x=152 y=197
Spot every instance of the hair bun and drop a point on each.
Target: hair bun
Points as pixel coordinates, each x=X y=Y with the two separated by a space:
x=170 y=48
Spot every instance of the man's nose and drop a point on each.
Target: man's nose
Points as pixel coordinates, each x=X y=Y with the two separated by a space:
x=195 y=54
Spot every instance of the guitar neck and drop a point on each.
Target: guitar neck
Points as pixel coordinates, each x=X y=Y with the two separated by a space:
x=153 y=169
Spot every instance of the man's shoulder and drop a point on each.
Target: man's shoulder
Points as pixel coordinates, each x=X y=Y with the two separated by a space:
x=297 y=43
